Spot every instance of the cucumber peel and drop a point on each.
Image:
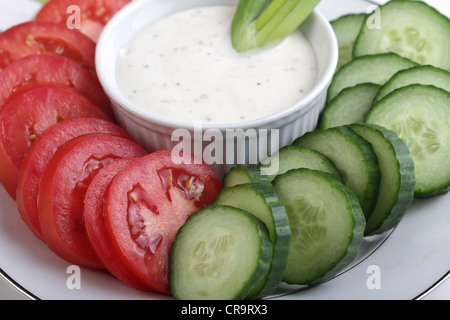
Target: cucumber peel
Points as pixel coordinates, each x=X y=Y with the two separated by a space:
x=259 y=22
x=260 y=200
x=242 y=175
x=397 y=183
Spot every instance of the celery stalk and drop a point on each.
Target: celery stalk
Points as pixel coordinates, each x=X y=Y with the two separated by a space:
x=258 y=22
x=268 y=13
x=243 y=22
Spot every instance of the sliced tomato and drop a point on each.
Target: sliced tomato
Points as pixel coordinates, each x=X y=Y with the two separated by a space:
x=146 y=204
x=46 y=38
x=56 y=70
x=62 y=190
x=26 y=116
x=40 y=153
x=95 y=223
x=93 y=14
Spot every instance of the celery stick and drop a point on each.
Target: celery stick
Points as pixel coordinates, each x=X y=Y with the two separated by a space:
x=243 y=22
x=268 y=13
x=257 y=23
x=289 y=22
x=274 y=23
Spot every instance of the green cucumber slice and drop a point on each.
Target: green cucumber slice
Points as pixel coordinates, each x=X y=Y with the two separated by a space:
x=294 y=157
x=411 y=29
x=242 y=175
x=352 y=156
x=427 y=75
x=397 y=177
x=420 y=115
x=327 y=225
x=351 y=105
x=261 y=200
x=347 y=29
x=220 y=253
x=378 y=69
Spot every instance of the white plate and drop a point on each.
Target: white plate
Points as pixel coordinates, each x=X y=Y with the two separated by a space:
x=406 y=263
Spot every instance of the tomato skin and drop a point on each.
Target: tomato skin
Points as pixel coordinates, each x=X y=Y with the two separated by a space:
x=55 y=70
x=94 y=13
x=26 y=116
x=46 y=37
x=147 y=203
x=40 y=154
x=96 y=227
x=62 y=188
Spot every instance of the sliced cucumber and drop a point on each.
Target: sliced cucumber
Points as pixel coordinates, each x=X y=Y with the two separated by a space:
x=352 y=156
x=293 y=157
x=327 y=225
x=347 y=29
x=378 y=69
x=261 y=200
x=351 y=105
x=220 y=253
x=397 y=177
x=241 y=175
x=416 y=75
x=420 y=115
x=411 y=29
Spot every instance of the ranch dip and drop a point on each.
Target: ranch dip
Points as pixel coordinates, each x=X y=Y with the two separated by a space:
x=184 y=68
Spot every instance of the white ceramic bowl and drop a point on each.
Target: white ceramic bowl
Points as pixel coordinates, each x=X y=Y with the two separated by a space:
x=155 y=133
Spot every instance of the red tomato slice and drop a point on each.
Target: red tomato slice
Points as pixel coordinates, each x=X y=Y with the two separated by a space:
x=26 y=116
x=52 y=69
x=95 y=223
x=40 y=153
x=62 y=189
x=93 y=14
x=46 y=38
x=146 y=204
